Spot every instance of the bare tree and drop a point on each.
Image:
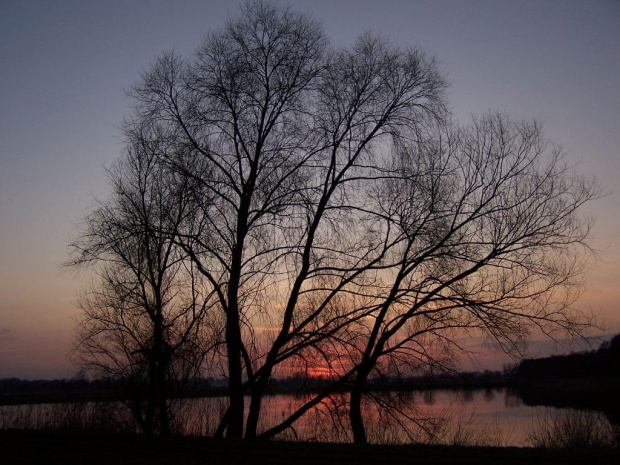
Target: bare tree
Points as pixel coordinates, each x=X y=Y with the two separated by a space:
x=336 y=217
x=287 y=129
x=489 y=241
x=143 y=314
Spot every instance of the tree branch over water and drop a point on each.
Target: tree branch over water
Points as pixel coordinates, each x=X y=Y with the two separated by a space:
x=330 y=215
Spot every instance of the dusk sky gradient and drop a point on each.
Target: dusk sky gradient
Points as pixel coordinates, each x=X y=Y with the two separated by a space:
x=64 y=67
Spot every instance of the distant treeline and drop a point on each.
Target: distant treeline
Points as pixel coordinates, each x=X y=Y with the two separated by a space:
x=585 y=380
x=595 y=369
x=19 y=391
x=603 y=363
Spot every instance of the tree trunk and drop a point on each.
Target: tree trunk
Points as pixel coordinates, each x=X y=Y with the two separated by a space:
x=258 y=389
x=221 y=428
x=235 y=382
x=164 y=418
x=162 y=400
x=233 y=345
x=355 y=404
x=158 y=392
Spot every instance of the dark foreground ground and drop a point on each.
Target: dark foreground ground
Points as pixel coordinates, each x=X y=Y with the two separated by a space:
x=54 y=448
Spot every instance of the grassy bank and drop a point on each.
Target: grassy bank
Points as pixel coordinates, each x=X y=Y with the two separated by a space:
x=20 y=447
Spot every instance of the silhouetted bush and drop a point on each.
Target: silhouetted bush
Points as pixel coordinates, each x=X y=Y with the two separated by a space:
x=577 y=429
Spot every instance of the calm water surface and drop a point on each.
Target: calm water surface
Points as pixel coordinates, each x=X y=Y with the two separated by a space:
x=485 y=417
x=476 y=417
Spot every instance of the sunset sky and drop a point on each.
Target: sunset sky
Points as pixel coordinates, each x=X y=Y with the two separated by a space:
x=64 y=67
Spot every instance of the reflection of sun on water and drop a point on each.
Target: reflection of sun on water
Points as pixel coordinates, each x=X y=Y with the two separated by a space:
x=499 y=420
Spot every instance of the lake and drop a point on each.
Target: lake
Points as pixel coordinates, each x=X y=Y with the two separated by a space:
x=495 y=417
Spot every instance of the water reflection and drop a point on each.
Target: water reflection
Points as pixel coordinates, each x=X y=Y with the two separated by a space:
x=429 y=397
x=484 y=417
x=467 y=395
x=470 y=417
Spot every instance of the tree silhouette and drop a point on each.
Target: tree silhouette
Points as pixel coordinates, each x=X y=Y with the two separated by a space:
x=286 y=128
x=338 y=219
x=489 y=241
x=144 y=314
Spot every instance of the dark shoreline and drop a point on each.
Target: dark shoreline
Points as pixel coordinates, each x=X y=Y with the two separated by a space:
x=14 y=391
x=578 y=393
x=21 y=447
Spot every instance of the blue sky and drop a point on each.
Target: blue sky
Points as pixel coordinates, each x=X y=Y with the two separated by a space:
x=64 y=66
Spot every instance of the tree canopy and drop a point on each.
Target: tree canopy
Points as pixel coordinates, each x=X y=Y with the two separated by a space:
x=317 y=211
